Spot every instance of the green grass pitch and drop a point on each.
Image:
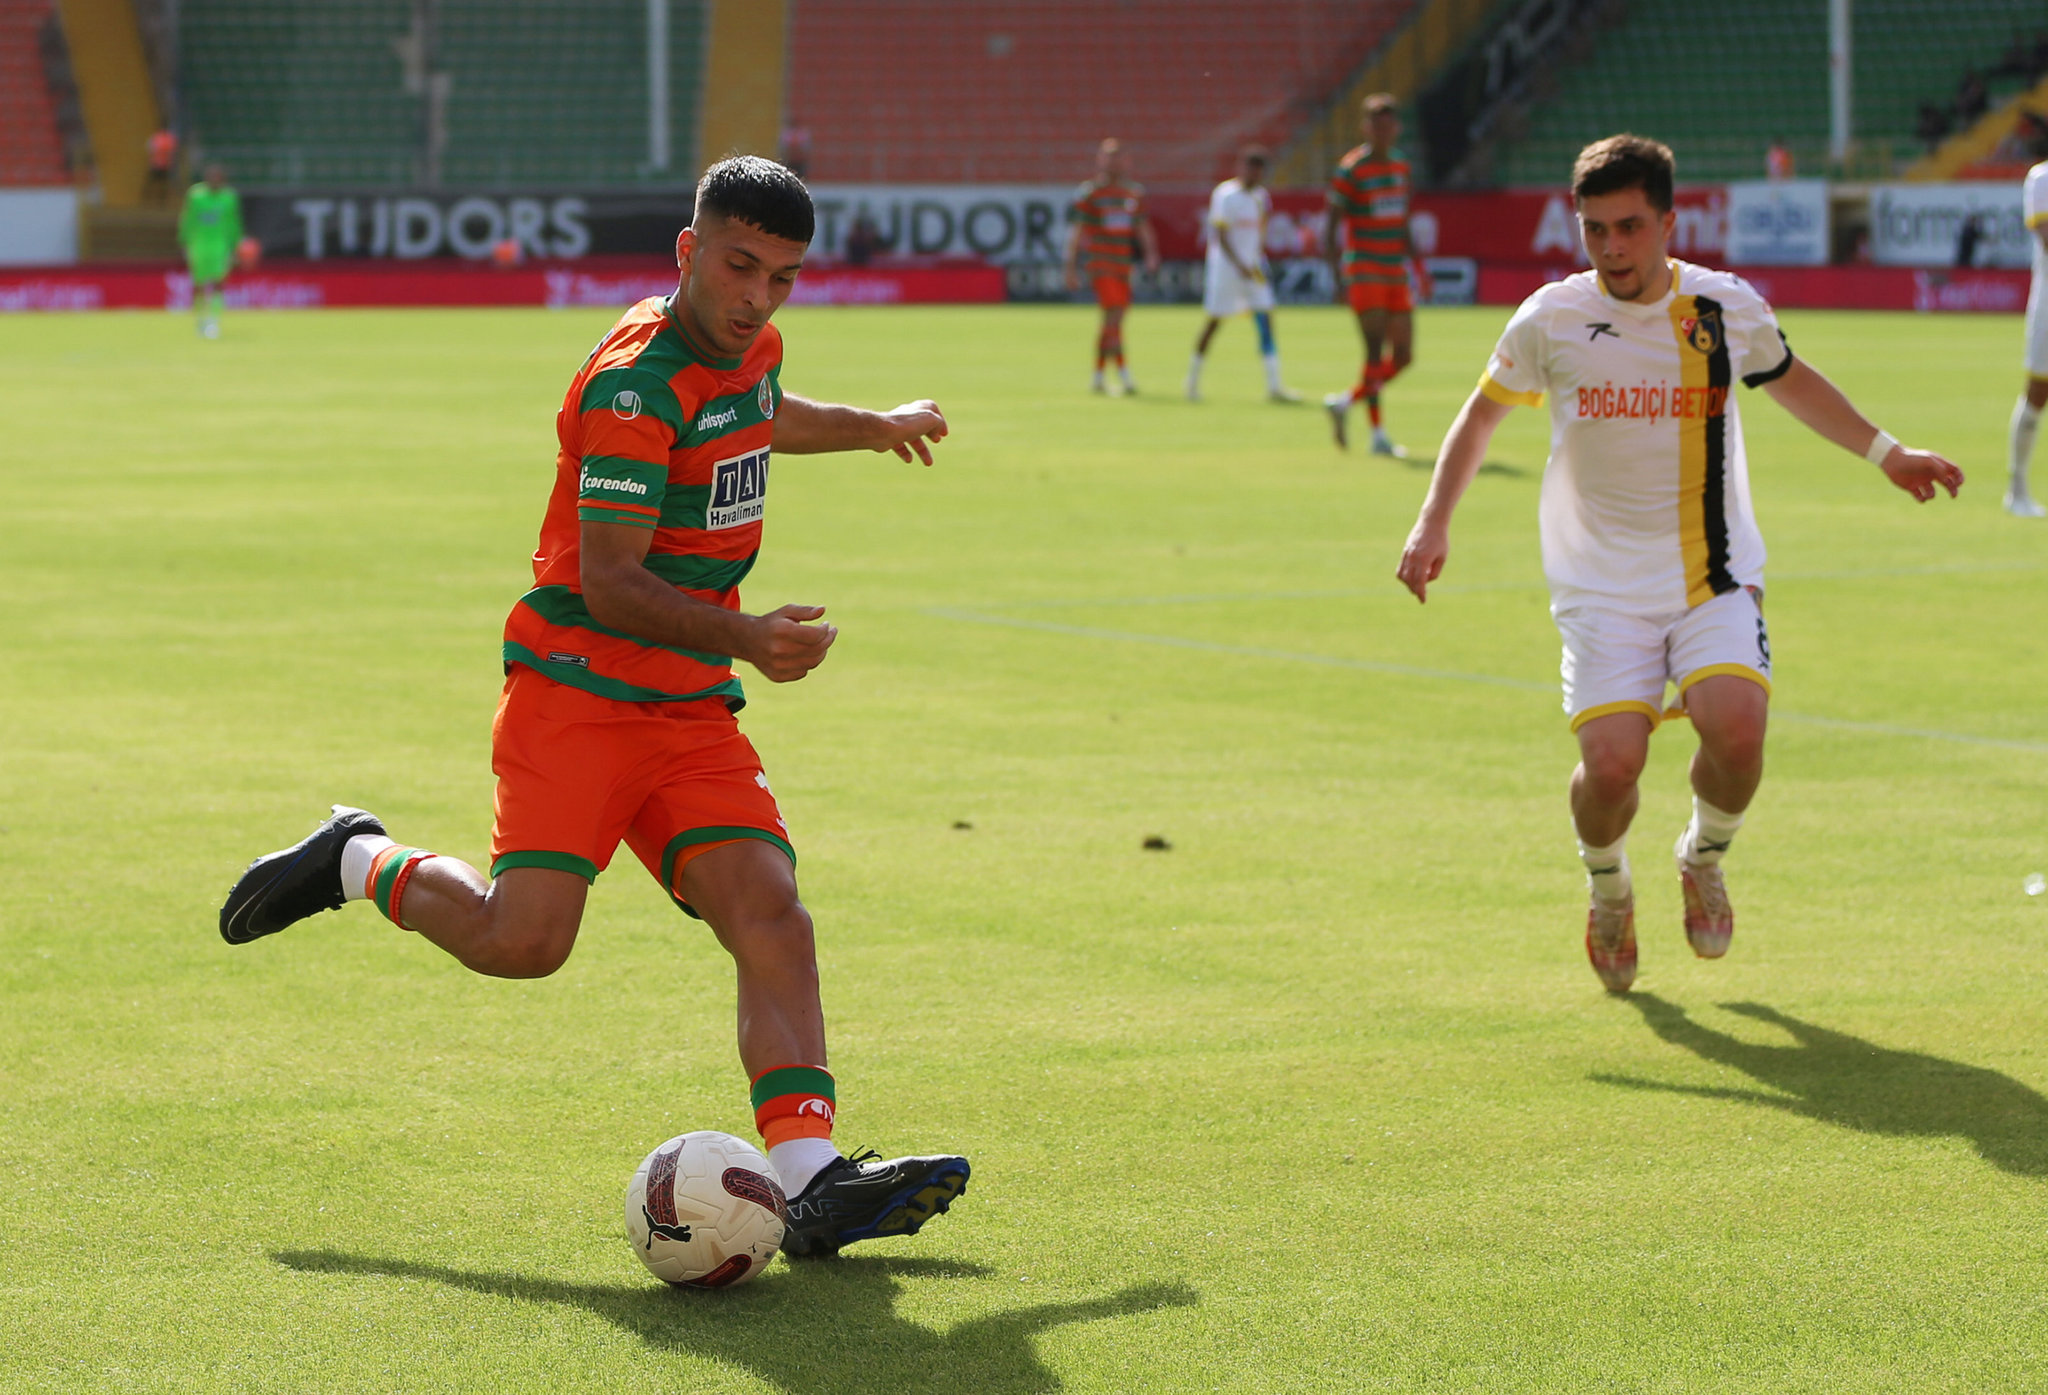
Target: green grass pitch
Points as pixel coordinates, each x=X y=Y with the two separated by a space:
x=1323 y=1098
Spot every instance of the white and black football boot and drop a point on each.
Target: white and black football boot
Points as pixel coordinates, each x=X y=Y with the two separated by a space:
x=287 y=886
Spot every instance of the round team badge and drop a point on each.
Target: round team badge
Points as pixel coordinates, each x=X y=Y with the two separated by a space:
x=766 y=397
x=626 y=405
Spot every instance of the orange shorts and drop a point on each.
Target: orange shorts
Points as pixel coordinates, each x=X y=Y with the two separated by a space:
x=1112 y=292
x=1380 y=295
x=578 y=773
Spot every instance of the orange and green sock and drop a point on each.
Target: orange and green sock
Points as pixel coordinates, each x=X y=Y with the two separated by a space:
x=794 y=1108
x=390 y=871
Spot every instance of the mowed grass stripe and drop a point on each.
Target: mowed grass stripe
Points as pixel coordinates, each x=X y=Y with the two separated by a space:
x=1322 y=1098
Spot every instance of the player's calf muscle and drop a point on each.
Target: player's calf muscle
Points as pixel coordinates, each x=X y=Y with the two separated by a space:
x=521 y=926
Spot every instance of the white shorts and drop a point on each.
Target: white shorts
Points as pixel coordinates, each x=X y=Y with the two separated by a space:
x=2037 y=328
x=1620 y=663
x=1224 y=292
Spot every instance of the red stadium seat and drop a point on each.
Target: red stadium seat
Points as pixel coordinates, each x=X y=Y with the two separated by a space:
x=917 y=91
x=31 y=151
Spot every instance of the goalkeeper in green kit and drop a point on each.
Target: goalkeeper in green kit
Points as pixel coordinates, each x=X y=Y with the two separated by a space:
x=209 y=229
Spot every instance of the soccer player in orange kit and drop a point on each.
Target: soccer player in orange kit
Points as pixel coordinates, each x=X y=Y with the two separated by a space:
x=617 y=720
x=1110 y=232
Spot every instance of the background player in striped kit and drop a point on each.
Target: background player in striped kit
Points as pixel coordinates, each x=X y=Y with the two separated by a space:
x=1110 y=232
x=1650 y=545
x=1366 y=240
x=617 y=720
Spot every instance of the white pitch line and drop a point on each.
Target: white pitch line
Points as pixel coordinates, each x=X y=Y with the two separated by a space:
x=1249 y=651
x=1391 y=590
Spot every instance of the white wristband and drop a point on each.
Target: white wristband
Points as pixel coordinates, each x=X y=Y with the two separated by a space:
x=1880 y=446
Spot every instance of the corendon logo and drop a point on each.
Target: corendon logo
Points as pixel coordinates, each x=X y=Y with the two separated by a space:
x=585 y=481
x=739 y=491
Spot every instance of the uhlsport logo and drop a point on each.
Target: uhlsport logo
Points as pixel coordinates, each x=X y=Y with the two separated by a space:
x=817 y=1105
x=626 y=405
x=765 y=395
x=711 y=421
x=739 y=491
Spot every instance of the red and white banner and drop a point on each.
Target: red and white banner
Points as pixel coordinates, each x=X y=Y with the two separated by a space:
x=597 y=282
x=1518 y=225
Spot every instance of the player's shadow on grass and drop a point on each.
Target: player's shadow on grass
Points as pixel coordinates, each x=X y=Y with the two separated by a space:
x=819 y=1326
x=1844 y=1080
x=1491 y=467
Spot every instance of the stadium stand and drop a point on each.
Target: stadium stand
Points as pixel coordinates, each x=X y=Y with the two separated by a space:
x=31 y=148
x=1029 y=88
x=490 y=93
x=1720 y=82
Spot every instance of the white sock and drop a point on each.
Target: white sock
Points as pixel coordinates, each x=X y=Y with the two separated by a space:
x=2026 y=420
x=1123 y=371
x=799 y=1160
x=1607 y=869
x=1707 y=837
x=356 y=856
x=1272 y=371
x=1195 y=371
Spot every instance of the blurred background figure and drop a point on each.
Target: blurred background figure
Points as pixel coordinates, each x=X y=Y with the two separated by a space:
x=210 y=230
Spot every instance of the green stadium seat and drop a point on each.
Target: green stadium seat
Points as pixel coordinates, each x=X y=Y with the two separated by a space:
x=1719 y=83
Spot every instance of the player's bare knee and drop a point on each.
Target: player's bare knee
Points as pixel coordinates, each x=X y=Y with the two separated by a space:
x=1736 y=745
x=1612 y=771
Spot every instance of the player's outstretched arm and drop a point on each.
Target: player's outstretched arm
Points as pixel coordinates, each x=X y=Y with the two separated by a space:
x=1464 y=451
x=803 y=427
x=623 y=595
x=1820 y=406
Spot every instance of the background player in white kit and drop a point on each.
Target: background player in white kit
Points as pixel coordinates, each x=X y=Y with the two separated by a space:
x=2026 y=414
x=1234 y=279
x=1649 y=542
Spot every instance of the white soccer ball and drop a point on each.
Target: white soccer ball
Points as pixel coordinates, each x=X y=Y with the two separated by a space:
x=705 y=1211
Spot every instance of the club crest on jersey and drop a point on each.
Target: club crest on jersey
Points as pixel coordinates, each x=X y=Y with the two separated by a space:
x=765 y=395
x=626 y=405
x=1702 y=332
x=739 y=490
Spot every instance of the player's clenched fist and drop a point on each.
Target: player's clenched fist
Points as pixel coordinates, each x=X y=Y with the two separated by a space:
x=908 y=427
x=784 y=648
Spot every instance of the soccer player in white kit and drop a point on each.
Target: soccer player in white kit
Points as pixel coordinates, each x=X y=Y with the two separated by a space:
x=1234 y=279
x=2026 y=414
x=1649 y=542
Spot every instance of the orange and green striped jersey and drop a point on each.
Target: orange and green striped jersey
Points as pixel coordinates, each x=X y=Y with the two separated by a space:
x=658 y=431
x=1108 y=216
x=1370 y=193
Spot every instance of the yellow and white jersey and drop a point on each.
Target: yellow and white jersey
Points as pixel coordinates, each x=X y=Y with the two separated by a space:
x=2034 y=208
x=1646 y=506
